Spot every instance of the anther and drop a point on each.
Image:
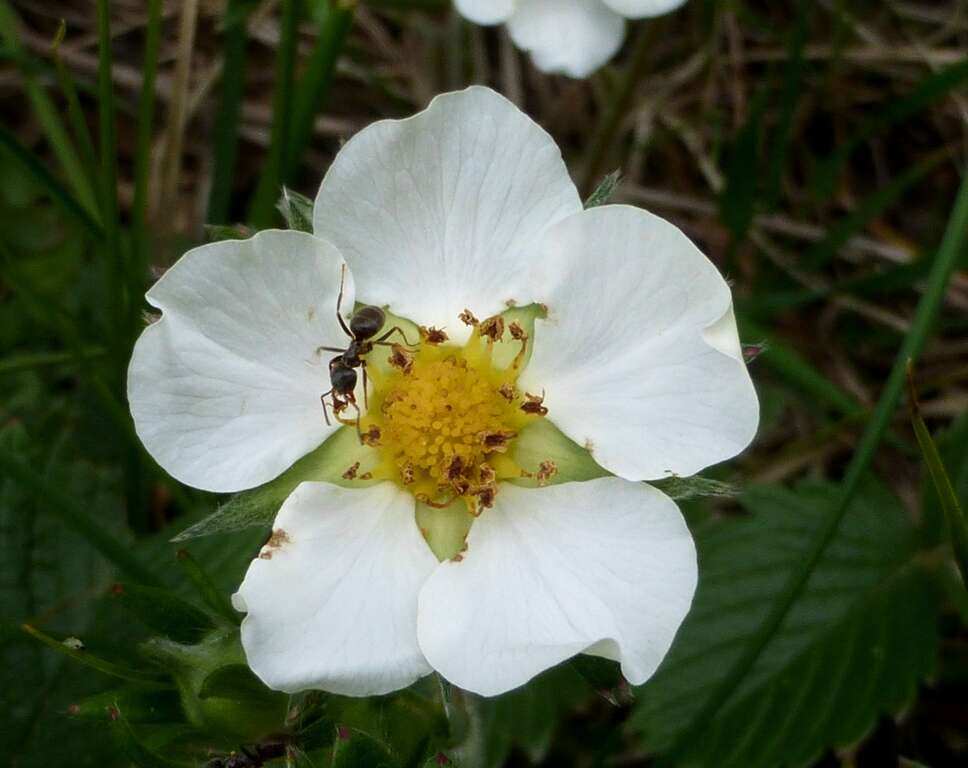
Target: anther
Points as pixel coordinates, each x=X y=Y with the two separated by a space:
x=492 y=328
x=534 y=404
x=350 y=474
x=517 y=332
x=508 y=392
x=372 y=436
x=401 y=359
x=467 y=318
x=498 y=441
x=547 y=470
x=433 y=335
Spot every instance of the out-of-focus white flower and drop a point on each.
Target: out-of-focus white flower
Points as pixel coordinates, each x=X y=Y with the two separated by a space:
x=455 y=527
x=568 y=37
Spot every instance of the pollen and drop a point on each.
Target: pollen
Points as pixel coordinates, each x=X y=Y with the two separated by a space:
x=446 y=417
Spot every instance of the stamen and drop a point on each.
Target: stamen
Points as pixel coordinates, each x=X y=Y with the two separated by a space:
x=444 y=417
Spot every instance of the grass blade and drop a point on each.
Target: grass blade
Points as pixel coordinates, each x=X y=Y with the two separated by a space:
x=47 y=114
x=58 y=194
x=939 y=476
x=73 y=515
x=262 y=210
x=946 y=260
x=334 y=25
x=230 y=109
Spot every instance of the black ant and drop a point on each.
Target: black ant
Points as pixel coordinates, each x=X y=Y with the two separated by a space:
x=365 y=323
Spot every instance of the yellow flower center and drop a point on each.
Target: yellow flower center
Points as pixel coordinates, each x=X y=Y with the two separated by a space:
x=444 y=417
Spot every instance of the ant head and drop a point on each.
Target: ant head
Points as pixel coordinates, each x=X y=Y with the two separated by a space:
x=366 y=322
x=343 y=379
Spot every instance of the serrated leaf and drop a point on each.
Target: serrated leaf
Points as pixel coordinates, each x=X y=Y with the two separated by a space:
x=855 y=645
x=296 y=209
x=605 y=189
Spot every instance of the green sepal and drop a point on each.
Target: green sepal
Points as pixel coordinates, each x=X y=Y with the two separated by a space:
x=543 y=441
x=258 y=507
x=296 y=209
x=196 y=670
x=164 y=612
x=695 y=487
x=140 y=705
x=605 y=189
x=215 y=233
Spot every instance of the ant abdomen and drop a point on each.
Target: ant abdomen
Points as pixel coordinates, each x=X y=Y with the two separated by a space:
x=367 y=322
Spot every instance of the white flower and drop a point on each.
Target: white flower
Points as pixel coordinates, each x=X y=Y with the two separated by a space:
x=569 y=37
x=466 y=205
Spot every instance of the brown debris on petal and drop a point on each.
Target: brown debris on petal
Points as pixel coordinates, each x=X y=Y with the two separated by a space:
x=350 y=474
x=278 y=538
x=492 y=328
x=534 y=404
x=457 y=558
x=401 y=359
x=547 y=470
x=467 y=318
x=498 y=441
x=433 y=335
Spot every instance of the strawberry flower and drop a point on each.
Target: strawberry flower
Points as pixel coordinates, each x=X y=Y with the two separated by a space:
x=568 y=37
x=482 y=508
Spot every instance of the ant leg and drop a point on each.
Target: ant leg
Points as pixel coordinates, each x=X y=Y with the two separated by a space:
x=328 y=349
x=395 y=329
x=359 y=416
x=339 y=303
x=366 y=387
x=322 y=399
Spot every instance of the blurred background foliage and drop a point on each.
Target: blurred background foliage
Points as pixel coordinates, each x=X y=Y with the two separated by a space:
x=815 y=150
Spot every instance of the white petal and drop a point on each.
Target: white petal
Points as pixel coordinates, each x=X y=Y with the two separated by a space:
x=332 y=602
x=485 y=11
x=437 y=213
x=640 y=9
x=569 y=37
x=605 y=566
x=224 y=389
x=635 y=358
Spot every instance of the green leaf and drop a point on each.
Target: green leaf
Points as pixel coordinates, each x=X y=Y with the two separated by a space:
x=855 y=645
x=605 y=189
x=296 y=209
x=359 y=750
x=163 y=611
x=527 y=717
x=206 y=588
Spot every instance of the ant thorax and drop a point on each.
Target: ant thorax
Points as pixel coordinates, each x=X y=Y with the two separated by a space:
x=444 y=418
